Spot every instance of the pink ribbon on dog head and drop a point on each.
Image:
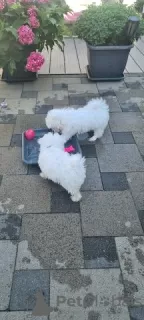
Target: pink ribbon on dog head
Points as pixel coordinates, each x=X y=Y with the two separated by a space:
x=69 y=149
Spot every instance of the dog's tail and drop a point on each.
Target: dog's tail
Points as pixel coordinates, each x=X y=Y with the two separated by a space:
x=98 y=103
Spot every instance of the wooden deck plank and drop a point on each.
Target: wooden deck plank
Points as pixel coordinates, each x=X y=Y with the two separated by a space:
x=132 y=67
x=140 y=45
x=137 y=57
x=82 y=54
x=45 y=68
x=71 y=60
x=57 y=61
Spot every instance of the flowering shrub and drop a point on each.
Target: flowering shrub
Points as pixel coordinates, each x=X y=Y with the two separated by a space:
x=26 y=27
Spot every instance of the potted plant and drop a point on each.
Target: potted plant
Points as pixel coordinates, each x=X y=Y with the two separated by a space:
x=105 y=30
x=26 y=27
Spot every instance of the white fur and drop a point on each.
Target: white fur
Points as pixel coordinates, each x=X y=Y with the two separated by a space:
x=59 y=166
x=94 y=116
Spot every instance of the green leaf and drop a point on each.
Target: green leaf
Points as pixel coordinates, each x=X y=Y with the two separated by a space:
x=53 y=21
x=12 y=66
x=12 y=30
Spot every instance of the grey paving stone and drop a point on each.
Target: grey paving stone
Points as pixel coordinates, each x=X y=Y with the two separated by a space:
x=131 y=256
x=16 y=140
x=50 y=241
x=59 y=98
x=93 y=179
x=134 y=82
x=19 y=106
x=10 y=227
x=119 y=158
x=61 y=202
x=33 y=170
x=19 y=194
x=100 y=252
x=1 y=177
x=123 y=137
x=26 y=285
x=88 y=150
x=41 y=84
x=113 y=104
x=77 y=100
x=111 y=85
x=106 y=138
x=11 y=92
x=109 y=213
x=19 y=315
x=43 y=109
x=60 y=86
x=8 y=118
x=87 y=294
x=25 y=122
x=129 y=107
x=66 y=80
x=6 y=131
x=29 y=94
x=131 y=96
x=137 y=313
x=127 y=121
x=7 y=262
x=10 y=161
x=114 y=181
x=83 y=89
x=136 y=183
x=139 y=139
x=141 y=217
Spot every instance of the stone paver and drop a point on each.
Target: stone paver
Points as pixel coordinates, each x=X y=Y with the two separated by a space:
x=113 y=104
x=109 y=213
x=19 y=315
x=10 y=227
x=41 y=84
x=137 y=313
x=113 y=181
x=54 y=240
x=26 y=285
x=100 y=252
x=119 y=158
x=66 y=80
x=16 y=140
x=136 y=183
x=19 y=106
x=131 y=97
x=139 y=138
x=126 y=121
x=25 y=122
x=82 y=89
x=87 y=294
x=93 y=179
x=57 y=98
x=61 y=202
x=123 y=137
x=29 y=94
x=7 y=118
x=10 y=161
x=131 y=256
x=43 y=109
x=11 y=92
x=88 y=150
x=19 y=194
x=5 y=134
x=111 y=86
x=134 y=82
x=7 y=262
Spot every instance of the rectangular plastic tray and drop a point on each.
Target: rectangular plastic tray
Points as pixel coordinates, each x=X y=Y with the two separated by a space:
x=30 y=148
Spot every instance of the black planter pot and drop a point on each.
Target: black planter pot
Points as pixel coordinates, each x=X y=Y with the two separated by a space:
x=19 y=75
x=107 y=63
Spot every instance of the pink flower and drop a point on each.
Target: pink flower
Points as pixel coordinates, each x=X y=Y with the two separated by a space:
x=2 y=5
x=32 y=11
x=43 y=1
x=35 y=62
x=25 y=35
x=10 y=2
x=71 y=17
x=34 y=22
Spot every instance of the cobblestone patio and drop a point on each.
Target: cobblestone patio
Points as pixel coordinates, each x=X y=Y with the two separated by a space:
x=87 y=258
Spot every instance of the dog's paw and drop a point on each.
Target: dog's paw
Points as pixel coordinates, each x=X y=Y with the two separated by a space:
x=92 y=139
x=76 y=197
x=42 y=175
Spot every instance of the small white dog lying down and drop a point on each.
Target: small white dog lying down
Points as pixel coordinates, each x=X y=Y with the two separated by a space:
x=69 y=121
x=59 y=166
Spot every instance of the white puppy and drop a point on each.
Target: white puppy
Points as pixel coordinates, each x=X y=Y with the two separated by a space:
x=59 y=166
x=69 y=121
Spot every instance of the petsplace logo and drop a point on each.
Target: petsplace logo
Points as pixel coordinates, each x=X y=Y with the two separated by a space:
x=42 y=309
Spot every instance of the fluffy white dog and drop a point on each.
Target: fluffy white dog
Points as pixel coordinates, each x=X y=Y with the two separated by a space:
x=61 y=167
x=69 y=121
